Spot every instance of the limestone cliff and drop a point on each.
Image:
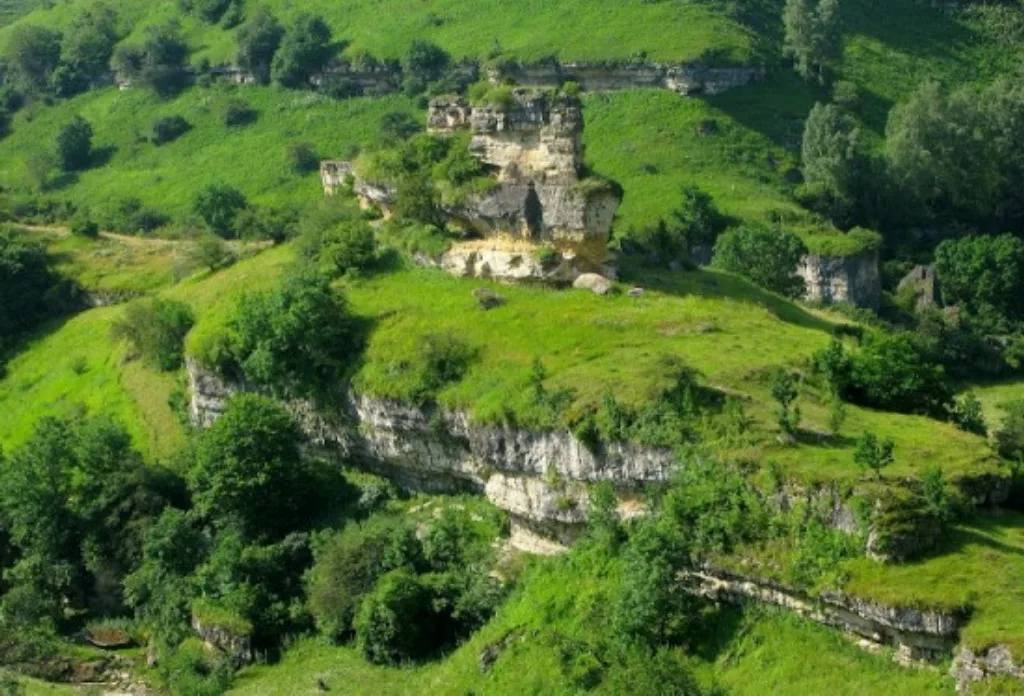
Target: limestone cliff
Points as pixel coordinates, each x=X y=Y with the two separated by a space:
x=852 y=279
x=539 y=203
x=538 y=477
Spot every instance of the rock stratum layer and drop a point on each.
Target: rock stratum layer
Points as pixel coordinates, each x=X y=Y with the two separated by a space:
x=540 y=220
x=853 y=279
x=538 y=477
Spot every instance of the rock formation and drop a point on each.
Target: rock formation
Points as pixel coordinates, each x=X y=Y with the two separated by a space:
x=852 y=279
x=922 y=284
x=541 y=220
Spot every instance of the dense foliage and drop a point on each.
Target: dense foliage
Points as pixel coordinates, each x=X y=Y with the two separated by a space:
x=767 y=256
x=30 y=288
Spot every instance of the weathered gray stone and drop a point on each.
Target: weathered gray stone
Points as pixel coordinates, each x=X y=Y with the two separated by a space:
x=597 y=284
x=852 y=279
x=922 y=284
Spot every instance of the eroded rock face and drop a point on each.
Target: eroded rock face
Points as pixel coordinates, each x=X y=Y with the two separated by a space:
x=685 y=79
x=970 y=666
x=538 y=201
x=922 y=284
x=852 y=279
x=238 y=648
x=538 y=477
x=920 y=635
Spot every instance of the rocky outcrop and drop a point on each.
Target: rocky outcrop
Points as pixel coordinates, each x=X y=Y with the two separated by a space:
x=534 y=144
x=686 y=79
x=538 y=477
x=919 y=635
x=922 y=285
x=854 y=279
x=540 y=220
x=971 y=666
x=238 y=648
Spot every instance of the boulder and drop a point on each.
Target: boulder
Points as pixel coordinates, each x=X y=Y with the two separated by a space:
x=597 y=284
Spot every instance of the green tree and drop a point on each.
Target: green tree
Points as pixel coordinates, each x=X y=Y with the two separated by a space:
x=257 y=41
x=30 y=288
x=967 y=414
x=156 y=330
x=160 y=590
x=160 y=62
x=395 y=623
x=89 y=43
x=767 y=256
x=873 y=453
x=784 y=389
x=833 y=160
x=298 y=338
x=74 y=145
x=218 y=205
x=348 y=565
x=425 y=62
x=34 y=53
x=984 y=275
x=304 y=51
x=652 y=607
x=813 y=37
x=248 y=470
x=898 y=372
x=940 y=152
x=397 y=126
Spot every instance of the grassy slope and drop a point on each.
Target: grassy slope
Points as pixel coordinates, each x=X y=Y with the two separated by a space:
x=765 y=653
x=528 y=29
x=981 y=566
x=591 y=344
x=251 y=158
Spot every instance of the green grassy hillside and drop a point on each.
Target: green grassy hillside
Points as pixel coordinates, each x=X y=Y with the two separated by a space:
x=728 y=330
x=252 y=158
x=595 y=30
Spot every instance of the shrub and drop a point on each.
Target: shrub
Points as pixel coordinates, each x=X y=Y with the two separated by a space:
x=767 y=256
x=396 y=621
x=966 y=413
x=445 y=358
x=156 y=330
x=424 y=63
x=784 y=391
x=74 y=145
x=874 y=453
x=209 y=251
x=343 y=247
x=296 y=339
x=348 y=565
x=1009 y=438
x=896 y=372
x=168 y=129
x=248 y=469
x=302 y=158
x=218 y=205
x=237 y=112
x=713 y=506
x=84 y=226
x=258 y=40
x=396 y=126
x=305 y=50
x=132 y=216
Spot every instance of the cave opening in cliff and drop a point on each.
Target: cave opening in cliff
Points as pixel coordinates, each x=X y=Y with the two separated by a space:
x=533 y=212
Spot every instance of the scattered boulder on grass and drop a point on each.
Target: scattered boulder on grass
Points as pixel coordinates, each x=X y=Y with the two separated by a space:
x=636 y=292
x=488 y=299
x=597 y=284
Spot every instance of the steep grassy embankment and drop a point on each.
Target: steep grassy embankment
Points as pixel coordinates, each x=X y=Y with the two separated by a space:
x=251 y=158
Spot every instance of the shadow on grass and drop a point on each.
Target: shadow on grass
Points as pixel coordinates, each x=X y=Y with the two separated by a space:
x=715 y=285
x=983 y=529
